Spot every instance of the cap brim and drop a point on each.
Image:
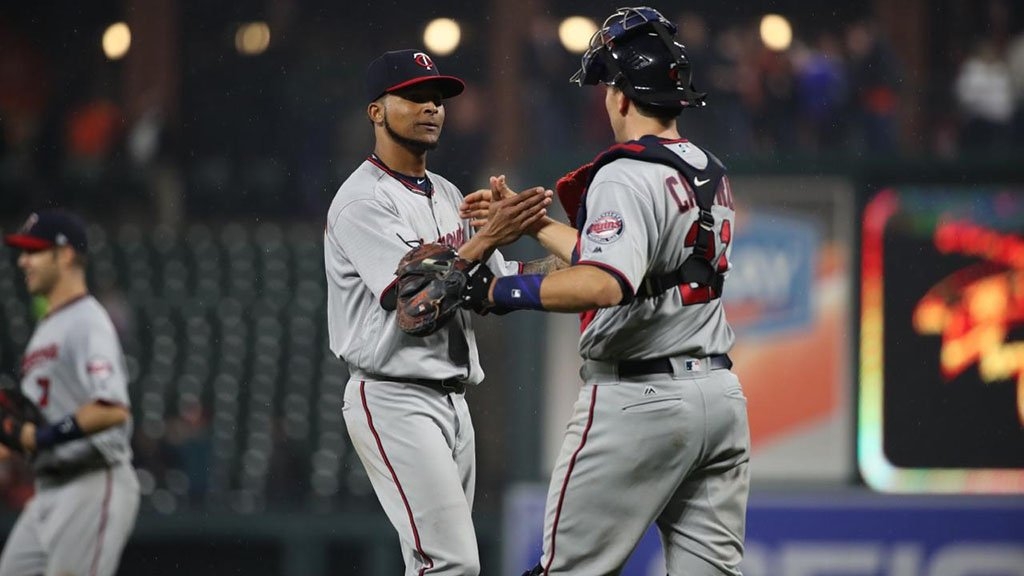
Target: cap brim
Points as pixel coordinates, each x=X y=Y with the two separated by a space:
x=448 y=85
x=26 y=242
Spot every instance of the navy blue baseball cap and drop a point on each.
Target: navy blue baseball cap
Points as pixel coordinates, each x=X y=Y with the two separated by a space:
x=50 y=228
x=404 y=68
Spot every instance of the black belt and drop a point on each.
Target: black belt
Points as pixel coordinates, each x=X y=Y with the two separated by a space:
x=446 y=386
x=629 y=368
x=62 y=472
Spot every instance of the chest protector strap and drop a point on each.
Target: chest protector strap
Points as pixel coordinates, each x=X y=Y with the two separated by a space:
x=698 y=268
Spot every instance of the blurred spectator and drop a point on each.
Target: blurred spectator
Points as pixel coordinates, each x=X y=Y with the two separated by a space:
x=92 y=130
x=24 y=96
x=24 y=91
x=731 y=83
x=821 y=93
x=875 y=77
x=985 y=97
x=774 y=101
x=702 y=126
x=1015 y=60
x=188 y=439
x=547 y=100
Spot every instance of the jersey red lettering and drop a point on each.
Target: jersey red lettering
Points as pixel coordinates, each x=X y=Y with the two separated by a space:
x=671 y=183
x=38 y=356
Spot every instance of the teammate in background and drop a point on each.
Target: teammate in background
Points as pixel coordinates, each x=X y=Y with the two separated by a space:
x=87 y=493
x=404 y=406
x=659 y=432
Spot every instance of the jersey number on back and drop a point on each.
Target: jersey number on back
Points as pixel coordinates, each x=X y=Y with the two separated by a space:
x=700 y=294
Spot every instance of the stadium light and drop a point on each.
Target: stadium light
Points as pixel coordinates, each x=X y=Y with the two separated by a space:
x=252 y=38
x=117 y=39
x=575 y=31
x=442 y=36
x=776 y=32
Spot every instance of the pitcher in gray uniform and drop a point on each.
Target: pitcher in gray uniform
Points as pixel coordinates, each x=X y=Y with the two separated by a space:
x=87 y=493
x=659 y=432
x=404 y=405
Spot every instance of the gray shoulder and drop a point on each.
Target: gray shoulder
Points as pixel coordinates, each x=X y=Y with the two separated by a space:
x=88 y=319
x=366 y=183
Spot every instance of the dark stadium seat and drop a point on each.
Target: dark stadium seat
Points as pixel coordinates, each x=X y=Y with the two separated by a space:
x=232 y=384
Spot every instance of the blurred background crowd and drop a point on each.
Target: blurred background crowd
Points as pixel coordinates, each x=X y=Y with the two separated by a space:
x=222 y=108
x=205 y=140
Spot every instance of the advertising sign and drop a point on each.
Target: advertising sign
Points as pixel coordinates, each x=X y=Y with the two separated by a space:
x=941 y=406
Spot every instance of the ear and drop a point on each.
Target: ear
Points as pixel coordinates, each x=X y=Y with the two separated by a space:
x=65 y=255
x=375 y=111
x=623 y=102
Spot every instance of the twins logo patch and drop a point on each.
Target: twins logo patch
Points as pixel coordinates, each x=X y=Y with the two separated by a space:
x=607 y=228
x=99 y=368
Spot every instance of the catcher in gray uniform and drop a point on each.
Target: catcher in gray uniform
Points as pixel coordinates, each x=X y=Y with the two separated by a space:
x=659 y=432
x=78 y=439
x=404 y=406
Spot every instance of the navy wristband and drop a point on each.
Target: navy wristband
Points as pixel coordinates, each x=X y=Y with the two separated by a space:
x=64 y=431
x=518 y=292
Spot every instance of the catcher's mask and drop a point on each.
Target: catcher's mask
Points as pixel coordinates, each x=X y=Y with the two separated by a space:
x=635 y=51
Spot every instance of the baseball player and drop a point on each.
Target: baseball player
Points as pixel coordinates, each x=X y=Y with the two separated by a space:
x=404 y=404
x=87 y=493
x=659 y=432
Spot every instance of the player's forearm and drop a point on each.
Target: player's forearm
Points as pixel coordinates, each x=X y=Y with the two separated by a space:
x=97 y=417
x=87 y=420
x=578 y=289
x=479 y=247
x=574 y=289
x=557 y=238
x=544 y=266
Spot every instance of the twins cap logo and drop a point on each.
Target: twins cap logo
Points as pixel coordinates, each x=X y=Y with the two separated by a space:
x=607 y=228
x=423 y=60
x=30 y=223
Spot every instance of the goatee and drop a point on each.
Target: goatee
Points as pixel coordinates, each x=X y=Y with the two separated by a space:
x=414 y=146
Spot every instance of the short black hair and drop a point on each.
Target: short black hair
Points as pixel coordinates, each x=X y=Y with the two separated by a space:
x=662 y=113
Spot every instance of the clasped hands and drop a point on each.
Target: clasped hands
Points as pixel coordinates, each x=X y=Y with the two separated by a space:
x=503 y=214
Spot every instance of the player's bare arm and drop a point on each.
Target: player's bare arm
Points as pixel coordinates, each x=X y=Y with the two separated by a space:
x=90 y=419
x=545 y=266
x=574 y=289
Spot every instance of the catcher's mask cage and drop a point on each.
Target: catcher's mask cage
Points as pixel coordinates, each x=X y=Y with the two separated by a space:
x=635 y=51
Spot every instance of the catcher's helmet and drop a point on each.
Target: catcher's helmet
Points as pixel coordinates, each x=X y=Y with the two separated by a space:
x=635 y=51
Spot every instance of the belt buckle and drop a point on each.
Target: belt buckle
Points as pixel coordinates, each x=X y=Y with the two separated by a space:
x=452 y=385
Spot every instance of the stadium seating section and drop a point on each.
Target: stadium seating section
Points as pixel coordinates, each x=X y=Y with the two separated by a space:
x=236 y=398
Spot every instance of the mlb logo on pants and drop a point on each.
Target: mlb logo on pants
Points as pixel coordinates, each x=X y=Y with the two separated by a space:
x=692 y=365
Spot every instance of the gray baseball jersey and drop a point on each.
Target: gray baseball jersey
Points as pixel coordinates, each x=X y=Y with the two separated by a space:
x=370 y=222
x=416 y=442
x=638 y=217
x=87 y=493
x=667 y=446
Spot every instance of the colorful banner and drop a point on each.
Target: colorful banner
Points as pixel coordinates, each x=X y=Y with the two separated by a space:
x=942 y=341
